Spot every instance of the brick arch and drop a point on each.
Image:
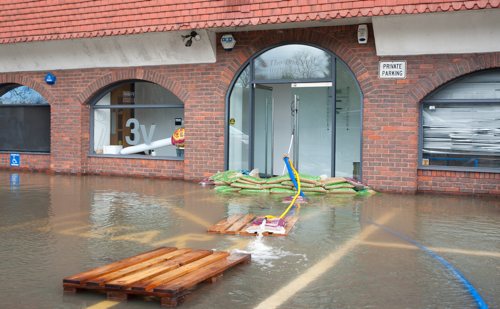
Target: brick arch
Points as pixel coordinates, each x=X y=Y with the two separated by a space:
x=30 y=82
x=465 y=66
x=314 y=36
x=148 y=75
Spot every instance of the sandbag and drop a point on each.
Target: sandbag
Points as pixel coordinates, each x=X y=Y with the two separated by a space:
x=274 y=185
x=282 y=191
x=309 y=179
x=227 y=176
x=333 y=180
x=302 y=184
x=342 y=191
x=338 y=186
x=252 y=191
x=246 y=186
x=277 y=179
x=226 y=189
x=242 y=180
x=252 y=179
x=315 y=189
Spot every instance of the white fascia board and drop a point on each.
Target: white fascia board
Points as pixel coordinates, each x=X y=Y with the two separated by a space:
x=476 y=31
x=165 y=48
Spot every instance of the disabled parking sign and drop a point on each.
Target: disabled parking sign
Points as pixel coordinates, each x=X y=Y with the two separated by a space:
x=15 y=159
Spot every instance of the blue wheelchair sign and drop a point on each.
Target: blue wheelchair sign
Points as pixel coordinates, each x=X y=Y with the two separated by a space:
x=15 y=159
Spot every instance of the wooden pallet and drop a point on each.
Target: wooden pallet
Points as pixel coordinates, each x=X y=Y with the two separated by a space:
x=237 y=225
x=167 y=273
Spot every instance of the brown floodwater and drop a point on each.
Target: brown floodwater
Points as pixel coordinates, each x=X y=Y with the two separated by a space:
x=340 y=254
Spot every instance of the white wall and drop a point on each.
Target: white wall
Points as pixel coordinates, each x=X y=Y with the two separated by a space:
x=118 y=51
x=476 y=31
x=102 y=124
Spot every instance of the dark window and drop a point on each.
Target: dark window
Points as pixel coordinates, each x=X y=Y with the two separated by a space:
x=24 y=120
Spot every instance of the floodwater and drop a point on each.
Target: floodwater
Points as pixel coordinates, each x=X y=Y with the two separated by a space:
x=342 y=253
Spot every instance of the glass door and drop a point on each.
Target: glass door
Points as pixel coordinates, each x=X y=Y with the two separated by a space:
x=312 y=120
x=263 y=130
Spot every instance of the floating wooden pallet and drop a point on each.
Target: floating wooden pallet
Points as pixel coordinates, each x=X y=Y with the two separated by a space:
x=167 y=273
x=238 y=224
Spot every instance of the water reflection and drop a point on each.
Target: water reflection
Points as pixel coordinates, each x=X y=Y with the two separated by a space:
x=55 y=226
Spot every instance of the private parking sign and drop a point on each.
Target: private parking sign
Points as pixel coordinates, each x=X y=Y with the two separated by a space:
x=15 y=159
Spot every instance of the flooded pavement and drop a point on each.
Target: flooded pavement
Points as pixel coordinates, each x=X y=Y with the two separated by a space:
x=340 y=254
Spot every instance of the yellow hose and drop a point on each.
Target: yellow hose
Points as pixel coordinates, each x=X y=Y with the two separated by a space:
x=297 y=177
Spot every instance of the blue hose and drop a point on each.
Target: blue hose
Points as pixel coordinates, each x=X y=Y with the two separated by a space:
x=470 y=288
x=292 y=176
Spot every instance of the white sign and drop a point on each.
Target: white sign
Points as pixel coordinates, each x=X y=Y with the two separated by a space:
x=392 y=69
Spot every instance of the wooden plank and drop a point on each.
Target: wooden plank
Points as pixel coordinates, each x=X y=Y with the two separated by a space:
x=98 y=281
x=116 y=296
x=148 y=285
x=290 y=222
x=187 y=281
x=222 y=225
x=99 y=271
x=158 y=269
x=236 y=227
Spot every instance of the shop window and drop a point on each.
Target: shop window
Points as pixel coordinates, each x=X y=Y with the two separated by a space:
x=461 y=124
x=137 y=119
x=24 y=120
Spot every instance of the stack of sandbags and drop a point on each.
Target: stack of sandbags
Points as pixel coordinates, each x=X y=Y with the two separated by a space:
x=234 y=181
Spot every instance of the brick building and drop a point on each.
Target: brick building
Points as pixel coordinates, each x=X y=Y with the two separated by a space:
x=403 y=95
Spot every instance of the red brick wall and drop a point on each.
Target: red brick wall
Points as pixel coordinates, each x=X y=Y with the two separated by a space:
x=138 y=167
x=459 y=182
x=390 y=114
x=29 y=162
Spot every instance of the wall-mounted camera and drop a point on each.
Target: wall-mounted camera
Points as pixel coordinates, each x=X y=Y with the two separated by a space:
x=362 y=34
x=228 y=42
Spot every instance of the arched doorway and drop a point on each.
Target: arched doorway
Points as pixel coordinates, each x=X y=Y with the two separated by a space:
x=296 y=99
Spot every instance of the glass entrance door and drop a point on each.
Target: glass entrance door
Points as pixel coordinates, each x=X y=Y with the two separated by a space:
x=294 y=118
x=263 y=130
x=312 y=113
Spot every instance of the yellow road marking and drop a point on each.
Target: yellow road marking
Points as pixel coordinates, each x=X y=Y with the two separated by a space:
x=40 y=221
x=104 y=304
x=313 y=273
x=190 y=216
x=140 y=237
x=80 y=231
x=182 y=240
x=238 y=243
x=436 y=249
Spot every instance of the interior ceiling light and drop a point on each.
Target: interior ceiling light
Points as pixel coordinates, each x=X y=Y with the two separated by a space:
x=188 y=38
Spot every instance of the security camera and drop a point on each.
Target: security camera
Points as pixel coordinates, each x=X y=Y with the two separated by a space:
x=228 y=42
x=362 y=34
x=189 y=38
